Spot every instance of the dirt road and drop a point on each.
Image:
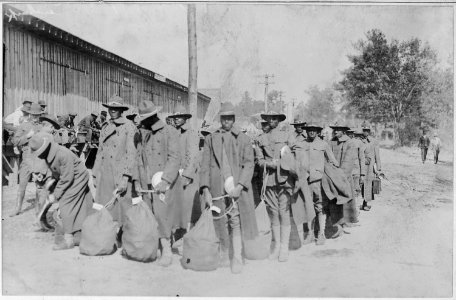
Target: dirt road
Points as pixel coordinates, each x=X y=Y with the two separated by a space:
x=402 y=249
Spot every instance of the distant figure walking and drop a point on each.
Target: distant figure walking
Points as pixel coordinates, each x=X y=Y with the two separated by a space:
x=436 y=144
x=424 y=145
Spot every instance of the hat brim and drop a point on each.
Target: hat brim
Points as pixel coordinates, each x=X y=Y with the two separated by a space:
x=148 y=115
x=282 y=117
x=39 y=151
x=35 y=113
x=366 y=129
x=340 y=127
x=56 y=125
x=313 y=127
x=227 y=113
x=185 y=116
x=304 y=123
x=120 y=107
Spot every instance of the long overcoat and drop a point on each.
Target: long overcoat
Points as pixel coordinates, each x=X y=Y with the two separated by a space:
x=158 y=151
x=345 y=152
x=188 y=153
x=116 y=157
x=369 y=152
x=72 y=189
x=241 y=160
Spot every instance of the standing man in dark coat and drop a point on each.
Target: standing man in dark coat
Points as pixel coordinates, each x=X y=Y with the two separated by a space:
x=228 y=154
x=158 y=151
x=311 y=155
x=188 y=147
x=373 y=152
x=345 y=153
x=71 y=189
x=115 y=162
x=424 y=145
x=20 y=140
x=359 y=170
x=298 y=135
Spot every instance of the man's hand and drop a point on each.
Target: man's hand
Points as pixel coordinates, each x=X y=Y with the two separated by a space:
x=163 y=186
x=122 y=187
x=207 y=197
x=237 y=191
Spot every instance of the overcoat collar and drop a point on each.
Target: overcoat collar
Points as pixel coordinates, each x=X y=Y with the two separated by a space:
x=217 y=141
x=52 y=152
x=158 y=125
x=119 y=121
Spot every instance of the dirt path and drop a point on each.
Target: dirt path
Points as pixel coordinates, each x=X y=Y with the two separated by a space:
x=402 y=249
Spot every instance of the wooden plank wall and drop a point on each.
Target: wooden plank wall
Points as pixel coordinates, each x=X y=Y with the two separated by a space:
x=40 y=69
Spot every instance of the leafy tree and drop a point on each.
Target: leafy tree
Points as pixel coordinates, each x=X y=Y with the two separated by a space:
x=387 y=79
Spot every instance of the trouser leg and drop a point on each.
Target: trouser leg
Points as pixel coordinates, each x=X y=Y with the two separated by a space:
x=235 y=225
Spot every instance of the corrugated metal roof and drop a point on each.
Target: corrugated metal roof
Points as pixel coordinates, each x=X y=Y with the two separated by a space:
x=16 y=17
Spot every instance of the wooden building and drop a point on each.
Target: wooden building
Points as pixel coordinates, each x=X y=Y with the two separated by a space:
x=43 y=62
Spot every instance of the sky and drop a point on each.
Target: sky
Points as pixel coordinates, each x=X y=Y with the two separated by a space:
x=302 y=45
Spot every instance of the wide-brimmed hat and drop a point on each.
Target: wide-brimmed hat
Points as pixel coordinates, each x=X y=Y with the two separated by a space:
x=35 y=109
x=298 y=122
x=180 y=112
x=40 y=142
x=312 y=125
x=340 y=126
x=226 y=109
x=358 y=131
x=73 y=114
x=51 y=119
x=271 y=113
x=94 y=113
x=147 y=109
x=42 y=103
x=116 y=102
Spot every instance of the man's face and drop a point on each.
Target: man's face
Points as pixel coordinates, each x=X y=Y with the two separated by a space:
x=102 y=118
x=227 y=122
x=298 y=129
x=34 y=118
x=366 y=133
x=273 y=121
x=27 y=105
x=178 y=122
x=311 y=134
x=115 y=113
x=351 y=135
x=43 y=107
x=265 y=127
x=338 y=133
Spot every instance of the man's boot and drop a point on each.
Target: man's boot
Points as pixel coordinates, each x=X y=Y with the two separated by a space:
x=301 y=234
x=322 y=226
x=19 y=201
x=224 y=257
x=236 y=262
x=310 y=237
x=276 y=235
x=166 y=258
x=66 y=243
x=284 y=242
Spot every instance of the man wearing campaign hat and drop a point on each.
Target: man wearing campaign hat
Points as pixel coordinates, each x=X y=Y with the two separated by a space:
x=374 y=150
x=359 y=170
x=311 y=155
x=20 y=140
x=158 y=151
x=43 y=105
x=345 y=153
x=227 y=169
x=279 y=185
x=298 y=135
x=188 y=146
x=115 y=162
x=71 y=189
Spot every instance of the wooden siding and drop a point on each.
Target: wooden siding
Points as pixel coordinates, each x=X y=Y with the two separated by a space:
x=38 y=68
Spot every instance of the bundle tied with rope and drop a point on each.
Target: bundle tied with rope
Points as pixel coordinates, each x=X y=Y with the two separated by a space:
x=99 y=231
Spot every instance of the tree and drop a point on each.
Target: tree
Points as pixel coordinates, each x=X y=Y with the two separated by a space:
x=386 y=79
x=320 y=107
x=274 y=102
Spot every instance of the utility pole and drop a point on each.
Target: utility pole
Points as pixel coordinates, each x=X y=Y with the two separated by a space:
x=193 y=65
x=281 y=93
x=266 y=83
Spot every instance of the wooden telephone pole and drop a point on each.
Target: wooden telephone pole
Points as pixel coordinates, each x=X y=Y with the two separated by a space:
x=193 y=65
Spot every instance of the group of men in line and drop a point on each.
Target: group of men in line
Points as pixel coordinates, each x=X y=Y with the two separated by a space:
x=301 y=177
